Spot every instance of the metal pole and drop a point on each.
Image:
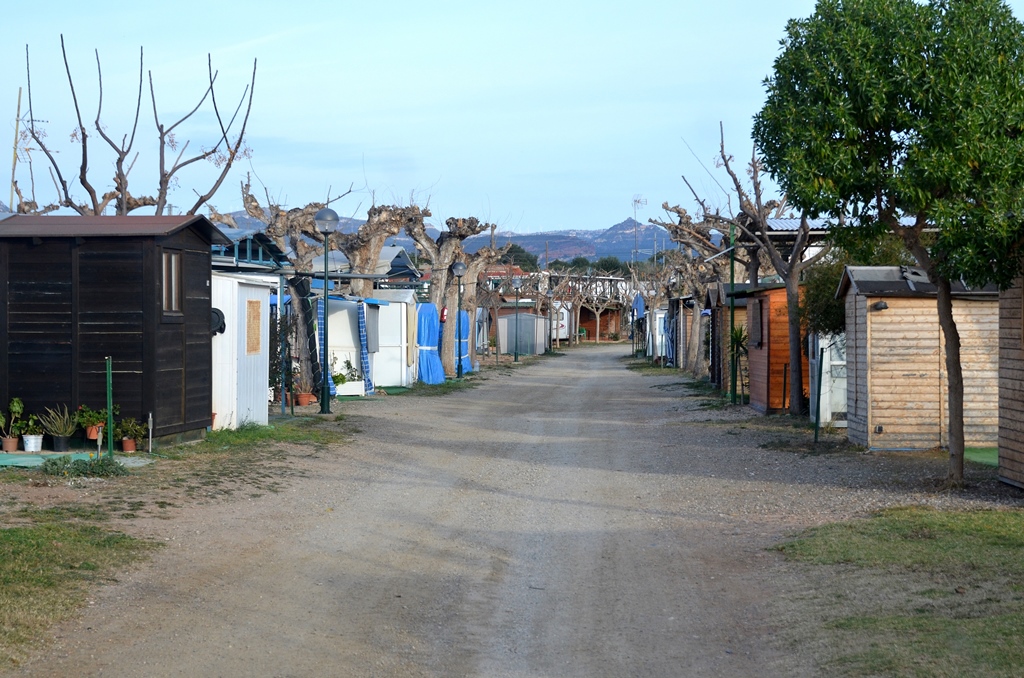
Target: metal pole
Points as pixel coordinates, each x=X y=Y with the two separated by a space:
x=110 y=407
x=325 y=393
x=516 y=357
x=282 y=337
x=817 y=401
x=732 y=309
x=458 y=333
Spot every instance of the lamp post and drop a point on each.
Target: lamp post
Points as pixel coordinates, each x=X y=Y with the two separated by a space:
x=326 y=221
x=551 y=310
x=517 y=284
x=459 y=269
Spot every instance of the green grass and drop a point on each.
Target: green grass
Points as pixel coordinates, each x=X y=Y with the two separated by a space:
x=983 y=455
x=45 y=570
x=962 y=608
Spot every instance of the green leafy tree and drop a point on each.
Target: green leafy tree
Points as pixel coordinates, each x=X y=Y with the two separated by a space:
x=886 y=109
x=517 y=256
x=611 y=264
x=580 y=264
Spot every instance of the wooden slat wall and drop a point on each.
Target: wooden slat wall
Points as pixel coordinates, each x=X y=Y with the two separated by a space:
x=1011 y=386
x=896 y=377
x=978 y=324
x=39 y=325
x=780 y=382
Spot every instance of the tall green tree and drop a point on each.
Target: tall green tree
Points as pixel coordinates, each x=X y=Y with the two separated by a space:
x=516 y=255
x=882 y=110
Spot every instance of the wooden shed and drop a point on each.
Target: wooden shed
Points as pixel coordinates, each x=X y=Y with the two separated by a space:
x=768 y=349
x=1011 y=385
x=74 y=290
x=895 y=356
x=717 y=301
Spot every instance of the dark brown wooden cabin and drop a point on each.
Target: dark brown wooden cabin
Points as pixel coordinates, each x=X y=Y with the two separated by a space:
x=768 y=349
x=74 y=290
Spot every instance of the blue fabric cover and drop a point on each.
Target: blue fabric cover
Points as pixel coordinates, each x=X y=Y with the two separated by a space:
x=639 y=306
x=364 y=354
x=462 y=343
x=428 y=331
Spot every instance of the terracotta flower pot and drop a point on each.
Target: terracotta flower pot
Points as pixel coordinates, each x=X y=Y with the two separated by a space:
x=92 y=432
x=10 y=444
x=303 y=399
x=127 y=444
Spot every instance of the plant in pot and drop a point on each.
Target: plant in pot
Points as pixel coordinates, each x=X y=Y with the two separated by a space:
x=130 y=432
x=31 y=430
x=303 y=388
x=61 y=425
x=91 y=420
x=8 y=422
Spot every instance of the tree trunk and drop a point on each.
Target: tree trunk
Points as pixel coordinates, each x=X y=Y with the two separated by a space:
x=955 y=377
x=597 y=325
x=796 y=354
x=695 y=347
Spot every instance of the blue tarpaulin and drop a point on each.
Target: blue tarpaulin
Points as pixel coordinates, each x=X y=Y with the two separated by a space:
x=428 y=331
x=462 y=343
x=364 y=354
x=639 y=306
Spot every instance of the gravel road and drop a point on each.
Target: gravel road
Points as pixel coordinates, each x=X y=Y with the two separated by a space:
x=568 y=518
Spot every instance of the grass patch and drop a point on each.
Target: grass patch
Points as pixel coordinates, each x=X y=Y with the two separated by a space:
x=46 y=569
x=944 y=593
x=989 y=456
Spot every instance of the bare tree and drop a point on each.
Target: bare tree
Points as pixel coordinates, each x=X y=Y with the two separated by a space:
x=752 y=221
x=172 y=152
x=294 y=232
x=476 y=264
x=363 y=247
x=442 y=254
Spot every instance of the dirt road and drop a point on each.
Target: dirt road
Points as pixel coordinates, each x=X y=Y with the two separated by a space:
x=570 y=518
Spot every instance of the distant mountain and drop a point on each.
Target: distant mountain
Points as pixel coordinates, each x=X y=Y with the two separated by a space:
x=616 y=241
x=4 y=207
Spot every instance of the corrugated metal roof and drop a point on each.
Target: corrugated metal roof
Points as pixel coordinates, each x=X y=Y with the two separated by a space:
x=792 y=224
x=32 y=226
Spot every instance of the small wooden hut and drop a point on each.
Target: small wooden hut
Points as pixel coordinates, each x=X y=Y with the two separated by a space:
x=74 y=290
x=768 y=349
x=895 y=355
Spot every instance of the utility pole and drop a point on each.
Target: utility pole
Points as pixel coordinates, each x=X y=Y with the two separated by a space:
x=638 y=201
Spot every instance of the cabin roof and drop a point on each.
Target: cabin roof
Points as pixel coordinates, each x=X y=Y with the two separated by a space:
x=902 y=281
x=48 y=226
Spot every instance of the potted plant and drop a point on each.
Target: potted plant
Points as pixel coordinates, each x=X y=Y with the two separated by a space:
x=8 y=434
x=130 y=432
x=303 y=388
x=348 y=382
x=91 y=420
x=61 y=425
x=31 y=431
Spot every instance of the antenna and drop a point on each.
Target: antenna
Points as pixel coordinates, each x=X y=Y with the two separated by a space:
x=638 y=201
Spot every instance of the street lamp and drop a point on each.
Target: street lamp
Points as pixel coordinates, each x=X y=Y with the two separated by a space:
x=517 y=284
x=459 y=269
x=326 y=221
x=551 y=308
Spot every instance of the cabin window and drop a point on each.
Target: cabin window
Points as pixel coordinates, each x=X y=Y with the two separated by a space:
x=172 y=282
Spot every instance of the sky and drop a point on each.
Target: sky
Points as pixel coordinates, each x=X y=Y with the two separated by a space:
x=535 y=116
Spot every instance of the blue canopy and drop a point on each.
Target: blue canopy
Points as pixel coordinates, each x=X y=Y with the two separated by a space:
x=428 y=331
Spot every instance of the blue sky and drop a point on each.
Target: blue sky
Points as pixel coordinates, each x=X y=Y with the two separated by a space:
x=534 y=115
